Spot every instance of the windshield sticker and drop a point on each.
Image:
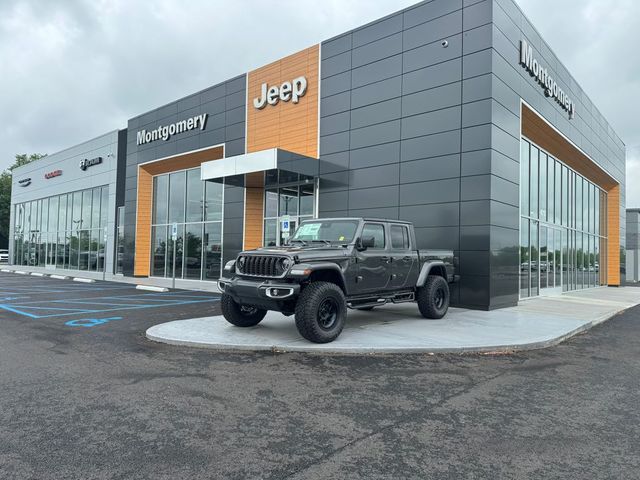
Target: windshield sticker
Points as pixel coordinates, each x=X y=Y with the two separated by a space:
x=309 y=229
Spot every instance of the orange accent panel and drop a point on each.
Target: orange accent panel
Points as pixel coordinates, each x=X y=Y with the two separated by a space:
x=613 y=229
x=143 y=224
x=253 y=210
x=286 y=125
x=142 y=259
x=536 y=129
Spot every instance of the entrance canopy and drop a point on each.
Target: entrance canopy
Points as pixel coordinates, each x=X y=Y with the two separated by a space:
x=271 y=159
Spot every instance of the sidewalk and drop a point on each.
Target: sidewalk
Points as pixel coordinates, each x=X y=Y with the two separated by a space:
x=535 y=323
x=205 y=286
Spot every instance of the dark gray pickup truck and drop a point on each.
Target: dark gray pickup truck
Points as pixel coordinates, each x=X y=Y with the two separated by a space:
x=333 y=264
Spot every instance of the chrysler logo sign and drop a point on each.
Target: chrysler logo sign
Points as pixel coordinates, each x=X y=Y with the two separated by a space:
x=288 y=91
x=551 y=88
x=25 y=182
x=84 y=164
x=55 y=173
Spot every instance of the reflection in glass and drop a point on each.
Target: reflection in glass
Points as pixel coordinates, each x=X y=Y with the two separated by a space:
x=193 y=251
x=194 y=196
x=159 y=250
x=525 y=265
x=213 y=201
x=160 y=199
x=212 y=250
x=176 y=197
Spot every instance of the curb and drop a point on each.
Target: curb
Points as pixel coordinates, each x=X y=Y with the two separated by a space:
x=84 y=280
x=6 y=270
x=20 y=272
x=487 y=350
x=38 y=274
x=59 y=277
x=152 y=288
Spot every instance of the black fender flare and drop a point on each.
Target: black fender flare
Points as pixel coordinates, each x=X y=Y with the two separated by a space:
x=426 y=269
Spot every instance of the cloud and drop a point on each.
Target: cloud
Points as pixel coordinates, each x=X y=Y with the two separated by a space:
x=74 y=69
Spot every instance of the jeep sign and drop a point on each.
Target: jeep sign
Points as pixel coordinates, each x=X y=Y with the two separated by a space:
x=288 y=91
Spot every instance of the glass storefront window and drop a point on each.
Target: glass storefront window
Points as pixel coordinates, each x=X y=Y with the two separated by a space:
x=176 y=197
x=562 y=229
x=160 y=199
x=533 y=182
x=62 y=231
x=193 y=251
x=213 y=201
x=524 y=178
x=197 y=207
x=195 y=201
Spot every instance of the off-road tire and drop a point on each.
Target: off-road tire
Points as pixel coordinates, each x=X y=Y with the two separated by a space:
x=433 y=297
x=321 y=312
x=239 y=315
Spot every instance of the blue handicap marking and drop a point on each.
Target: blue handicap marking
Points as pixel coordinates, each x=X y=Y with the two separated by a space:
x=90 y=322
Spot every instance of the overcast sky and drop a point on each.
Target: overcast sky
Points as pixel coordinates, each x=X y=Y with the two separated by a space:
x=71 y=70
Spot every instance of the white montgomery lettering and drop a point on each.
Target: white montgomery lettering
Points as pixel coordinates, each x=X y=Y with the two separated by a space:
x=165 y=132
x=542 y=76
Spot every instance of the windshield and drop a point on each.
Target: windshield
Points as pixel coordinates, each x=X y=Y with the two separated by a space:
x=333 y=231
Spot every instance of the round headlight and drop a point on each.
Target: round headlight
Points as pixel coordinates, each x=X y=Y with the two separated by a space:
x=285 y=263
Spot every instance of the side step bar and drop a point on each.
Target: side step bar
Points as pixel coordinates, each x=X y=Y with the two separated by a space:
x=379 y=301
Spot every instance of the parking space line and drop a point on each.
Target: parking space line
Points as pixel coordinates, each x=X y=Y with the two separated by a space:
x=15 y=308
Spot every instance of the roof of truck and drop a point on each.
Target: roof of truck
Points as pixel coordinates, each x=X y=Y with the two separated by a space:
x=365 y=219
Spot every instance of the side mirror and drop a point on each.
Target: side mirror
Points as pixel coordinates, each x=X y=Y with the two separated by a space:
x=367 y=242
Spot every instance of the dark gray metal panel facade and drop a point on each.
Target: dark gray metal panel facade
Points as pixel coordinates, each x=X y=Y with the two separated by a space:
x=225 y=105
x=393 y=127
x=415 y=131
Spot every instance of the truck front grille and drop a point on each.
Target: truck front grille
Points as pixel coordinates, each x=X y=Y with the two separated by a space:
x=261 y=266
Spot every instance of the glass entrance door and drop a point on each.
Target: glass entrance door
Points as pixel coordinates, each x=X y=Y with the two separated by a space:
x=551 y=260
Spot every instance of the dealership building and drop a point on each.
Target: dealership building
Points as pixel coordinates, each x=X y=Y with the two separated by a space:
x=454 y=115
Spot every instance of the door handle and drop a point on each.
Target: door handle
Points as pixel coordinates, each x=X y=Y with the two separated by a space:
x=407 y=258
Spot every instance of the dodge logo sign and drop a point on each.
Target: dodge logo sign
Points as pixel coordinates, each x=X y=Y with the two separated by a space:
x=55 y=173
x=84 y=164
x=25 y=182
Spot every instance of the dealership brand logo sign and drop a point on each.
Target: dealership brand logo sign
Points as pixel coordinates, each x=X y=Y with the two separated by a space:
x=165 y=132
x=288 y=91
x=55 y=173
x=86 y=163
x=25 y=182
x=551 y=88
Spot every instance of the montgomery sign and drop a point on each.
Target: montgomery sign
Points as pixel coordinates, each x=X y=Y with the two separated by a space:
x=533 y=66
x=165 y=132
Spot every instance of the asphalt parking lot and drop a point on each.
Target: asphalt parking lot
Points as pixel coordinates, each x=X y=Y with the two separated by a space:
x=99 y=401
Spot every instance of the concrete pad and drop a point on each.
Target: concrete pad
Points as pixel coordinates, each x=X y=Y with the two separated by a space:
x=535 y=323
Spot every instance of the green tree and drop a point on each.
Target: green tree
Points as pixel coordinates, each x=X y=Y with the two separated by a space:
x=5 y=194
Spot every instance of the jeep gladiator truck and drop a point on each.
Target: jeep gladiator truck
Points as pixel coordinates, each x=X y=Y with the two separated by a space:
x=330 y=265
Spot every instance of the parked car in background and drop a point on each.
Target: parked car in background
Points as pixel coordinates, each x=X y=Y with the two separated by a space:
x=4 y=256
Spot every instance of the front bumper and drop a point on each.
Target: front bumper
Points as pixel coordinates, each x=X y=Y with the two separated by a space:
x=268 y=294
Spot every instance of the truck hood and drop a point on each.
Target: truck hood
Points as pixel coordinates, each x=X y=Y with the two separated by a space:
x=303 y=253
